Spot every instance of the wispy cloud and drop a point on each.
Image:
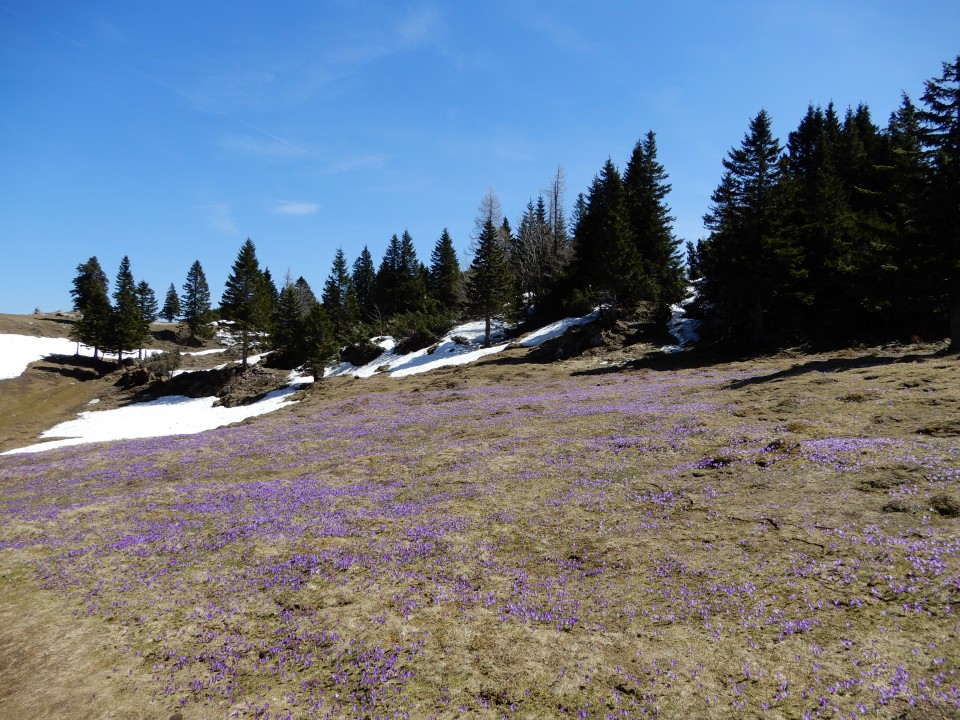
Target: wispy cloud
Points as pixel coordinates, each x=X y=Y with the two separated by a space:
x=219 y=217
x=422 y=26
x=292 y=207
x=563 y=35
x=267 y=146
x=358 y=162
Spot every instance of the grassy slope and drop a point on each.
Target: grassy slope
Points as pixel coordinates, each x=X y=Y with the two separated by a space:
x=507 y=540
x=56 y=388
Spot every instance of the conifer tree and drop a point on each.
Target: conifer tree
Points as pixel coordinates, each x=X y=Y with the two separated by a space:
x=171 y=305
x=606 y=258
x=388 y=278
x=320 y=340
x=246 y=298
x=195 y=304
x=413 y=275
x=126 y=327
x=446 y=281
x=287 y=334
x=532 y=254
x=90 y=287
x=941 y=135
x=651 y=225
x=289 y=327
x=747 y=259
x=147 y=302
x=364 y=276
x=339 y=300
x=89 y=279
x=489 y=281
x=694 y=261
x=816 y=216
x=913 y=261
x=400 y=284
x=272 y=296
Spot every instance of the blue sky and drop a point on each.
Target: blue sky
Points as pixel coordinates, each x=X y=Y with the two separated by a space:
x=171 y=131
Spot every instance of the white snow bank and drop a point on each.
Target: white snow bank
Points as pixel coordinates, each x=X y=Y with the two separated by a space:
x=18 y=351
x=684 y=329
x=175 y=415
x=449 y=352
x=200 y=353
x=555 y=330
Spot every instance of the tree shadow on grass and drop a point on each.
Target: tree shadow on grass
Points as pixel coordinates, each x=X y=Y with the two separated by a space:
x=700 y=358
x=831 y=365
x=77 y=367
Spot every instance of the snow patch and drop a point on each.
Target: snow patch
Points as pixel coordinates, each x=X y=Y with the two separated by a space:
x=684 y=329
x=174 y=415
x=555 y=330
x=200 y=353
x=449 y=352
x=18 y=351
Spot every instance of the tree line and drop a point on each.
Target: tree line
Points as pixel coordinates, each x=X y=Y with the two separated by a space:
x=536 y=273
x=848 y=231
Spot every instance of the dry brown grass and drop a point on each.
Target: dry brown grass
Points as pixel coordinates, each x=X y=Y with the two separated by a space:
x=703 y=535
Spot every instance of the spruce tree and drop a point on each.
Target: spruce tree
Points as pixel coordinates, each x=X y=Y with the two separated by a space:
x=651 y=225
x=89 y=279
x=816 y=219
x=90 y=287
x=446 y=281
x=246 y=298
x=386 y=287
x=913 y=306
x=171 y=305
x=288 y=337
x=400 y=285
x=195 y=304
x=320 y=339
x=413 y=277
x=364 y=277
x=606 y=260
x=489 y=281
x=941 y=135
x=147 y=302
x=339 y=300
x=747 y=259
x=126 y=326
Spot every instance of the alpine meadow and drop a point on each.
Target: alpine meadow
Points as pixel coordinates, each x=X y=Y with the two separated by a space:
x=547 y=459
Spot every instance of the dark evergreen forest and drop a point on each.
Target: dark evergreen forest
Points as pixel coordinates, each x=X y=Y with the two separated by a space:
x=846 y=231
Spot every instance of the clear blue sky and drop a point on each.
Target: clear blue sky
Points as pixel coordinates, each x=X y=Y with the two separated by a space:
x=171 y=131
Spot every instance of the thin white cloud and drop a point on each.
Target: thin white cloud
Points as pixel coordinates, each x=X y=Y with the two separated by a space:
x=423 y=26
x=261 y=147
x=219 y=217
x=564 y=35
x=358 y=162
x=290 y=207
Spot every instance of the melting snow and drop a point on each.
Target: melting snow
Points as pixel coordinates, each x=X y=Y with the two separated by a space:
x=18 y=351
x=448 y=352
x=684 y=329
x=175 y=415
x=184 y=416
